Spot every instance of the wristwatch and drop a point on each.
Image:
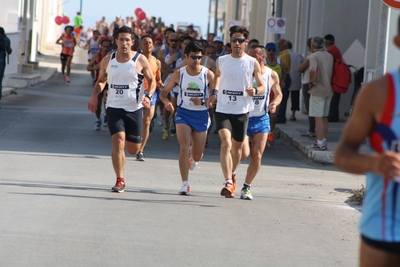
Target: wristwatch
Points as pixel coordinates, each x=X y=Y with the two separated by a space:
x=149 y=96
x=203 y=101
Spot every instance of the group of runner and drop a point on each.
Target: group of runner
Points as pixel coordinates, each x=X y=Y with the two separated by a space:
x=191 y=90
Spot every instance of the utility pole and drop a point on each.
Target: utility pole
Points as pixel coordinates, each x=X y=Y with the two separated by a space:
x=216 y=18
x=209 y=17
x=80 y=10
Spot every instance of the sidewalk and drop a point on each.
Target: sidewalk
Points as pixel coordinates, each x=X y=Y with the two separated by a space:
x=289 y=132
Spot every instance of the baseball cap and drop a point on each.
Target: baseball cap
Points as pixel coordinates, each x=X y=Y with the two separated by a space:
x=270 y=45
x=218 y=39
x=158 y=39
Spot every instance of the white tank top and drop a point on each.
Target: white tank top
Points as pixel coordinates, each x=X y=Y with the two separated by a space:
x=236 y=74
x=125 y=88
x=174 y=65
x=261 y=100
x=93 y=48
x=192 y=86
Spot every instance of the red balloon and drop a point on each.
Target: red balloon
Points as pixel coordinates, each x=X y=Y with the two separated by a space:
x=141 y=16
x=65 y=20
x=137 y=11
x=58 y=20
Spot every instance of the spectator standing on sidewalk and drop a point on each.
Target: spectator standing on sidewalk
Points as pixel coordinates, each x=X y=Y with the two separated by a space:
x=321 y=69
x=78 y=26
x=305 y=80
x=284 y=57
x=295 y=85
x=5 y=50
x=376 y=116
x=329 y=41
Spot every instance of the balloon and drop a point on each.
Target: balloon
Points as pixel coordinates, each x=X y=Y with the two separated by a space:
x=141 y=15
x=58 y=20
x=65 y=20
x=137 y=11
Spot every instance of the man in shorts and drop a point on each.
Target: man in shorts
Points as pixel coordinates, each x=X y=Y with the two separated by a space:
x=321 y=69
x=192 y=118
x=124 y=70
x=259 y=125
x=234 y=91
x=376 y=116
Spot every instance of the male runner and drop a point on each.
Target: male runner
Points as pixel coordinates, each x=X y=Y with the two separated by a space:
x=94 y=65
x=259 y=126
x=192 y=119
x=171 y=59
x=146 y=45
x=68 y=43
x=124 y=70
x=234 y=91
x=93 y=45
x=376 y=115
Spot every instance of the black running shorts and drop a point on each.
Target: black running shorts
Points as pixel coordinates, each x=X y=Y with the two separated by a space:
x=120 y=120
x=235 y=123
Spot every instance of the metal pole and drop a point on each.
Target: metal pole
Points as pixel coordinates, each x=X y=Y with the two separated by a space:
x=237 y=10
x=209 y=17
x=216 y=18
x=278 y=14
x=80 y=10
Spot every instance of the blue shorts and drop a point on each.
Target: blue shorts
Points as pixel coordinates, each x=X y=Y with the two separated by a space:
x=154 y=99
x=198 y=120
x=258 y=125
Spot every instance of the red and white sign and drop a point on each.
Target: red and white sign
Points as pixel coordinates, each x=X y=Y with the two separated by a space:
x=276 y=25
x=392 y=3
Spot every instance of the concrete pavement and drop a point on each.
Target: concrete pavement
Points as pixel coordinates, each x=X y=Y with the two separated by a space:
x=57 y=209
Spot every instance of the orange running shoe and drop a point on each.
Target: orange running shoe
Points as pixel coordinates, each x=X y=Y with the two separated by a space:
x=271 y=139
x=228 y=190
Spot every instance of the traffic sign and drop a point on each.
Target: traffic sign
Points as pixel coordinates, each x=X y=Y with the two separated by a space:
x=276 y=25
x=392 y=3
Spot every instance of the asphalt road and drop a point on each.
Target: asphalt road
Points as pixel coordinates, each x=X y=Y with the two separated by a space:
x=56 y=208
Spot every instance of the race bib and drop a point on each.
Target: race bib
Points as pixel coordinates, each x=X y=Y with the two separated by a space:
x=258 y=100
x=232 y=98
x=68 y=44
x=120 y=92
x=187 y=96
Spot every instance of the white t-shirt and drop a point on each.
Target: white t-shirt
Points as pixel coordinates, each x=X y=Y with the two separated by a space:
x=236 y=75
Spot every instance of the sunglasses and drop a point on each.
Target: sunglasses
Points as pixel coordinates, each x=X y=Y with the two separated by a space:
x=195 y=57
x=240 y=40
x=271 y=49
x=174 y=40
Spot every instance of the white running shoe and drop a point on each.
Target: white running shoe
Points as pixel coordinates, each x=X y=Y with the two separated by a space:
x=192 y=164
x=185 y=190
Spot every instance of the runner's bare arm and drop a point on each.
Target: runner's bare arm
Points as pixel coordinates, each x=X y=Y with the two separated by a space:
x=92 y=64
x=100 y=84
x=59 y=40
x=158 y=76
x=148 y=73
x=213 y=97
x=173 y=81
x=259 y=80
x=367 y=111
x=276 y=88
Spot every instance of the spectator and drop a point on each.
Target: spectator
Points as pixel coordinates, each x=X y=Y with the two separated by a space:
x=295 y=85
x=329 y=41
x=6 y=50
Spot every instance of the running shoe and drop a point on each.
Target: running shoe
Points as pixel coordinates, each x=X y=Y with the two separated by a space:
x=97 y=125
x=192 y=164
x=65 y=79
x=271 y=139
x=165 y=135
x=173 y=129
x=160 y=121
x=318 y=147
x=229 y=189
x=119 y=185
x=105 y=123
x=246 y=194
x=140 y=156
x=185 y=190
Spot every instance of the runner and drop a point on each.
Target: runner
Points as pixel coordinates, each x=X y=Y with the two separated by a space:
x=146 y=45
x=94 y=65
x=234 y=79
x=124 y=71
x=172 y=58
x=259 y=127
x=192 y=119
x=93 y=45
x=68 y=43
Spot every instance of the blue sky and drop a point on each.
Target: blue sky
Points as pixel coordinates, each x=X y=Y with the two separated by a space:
x=172 y=11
